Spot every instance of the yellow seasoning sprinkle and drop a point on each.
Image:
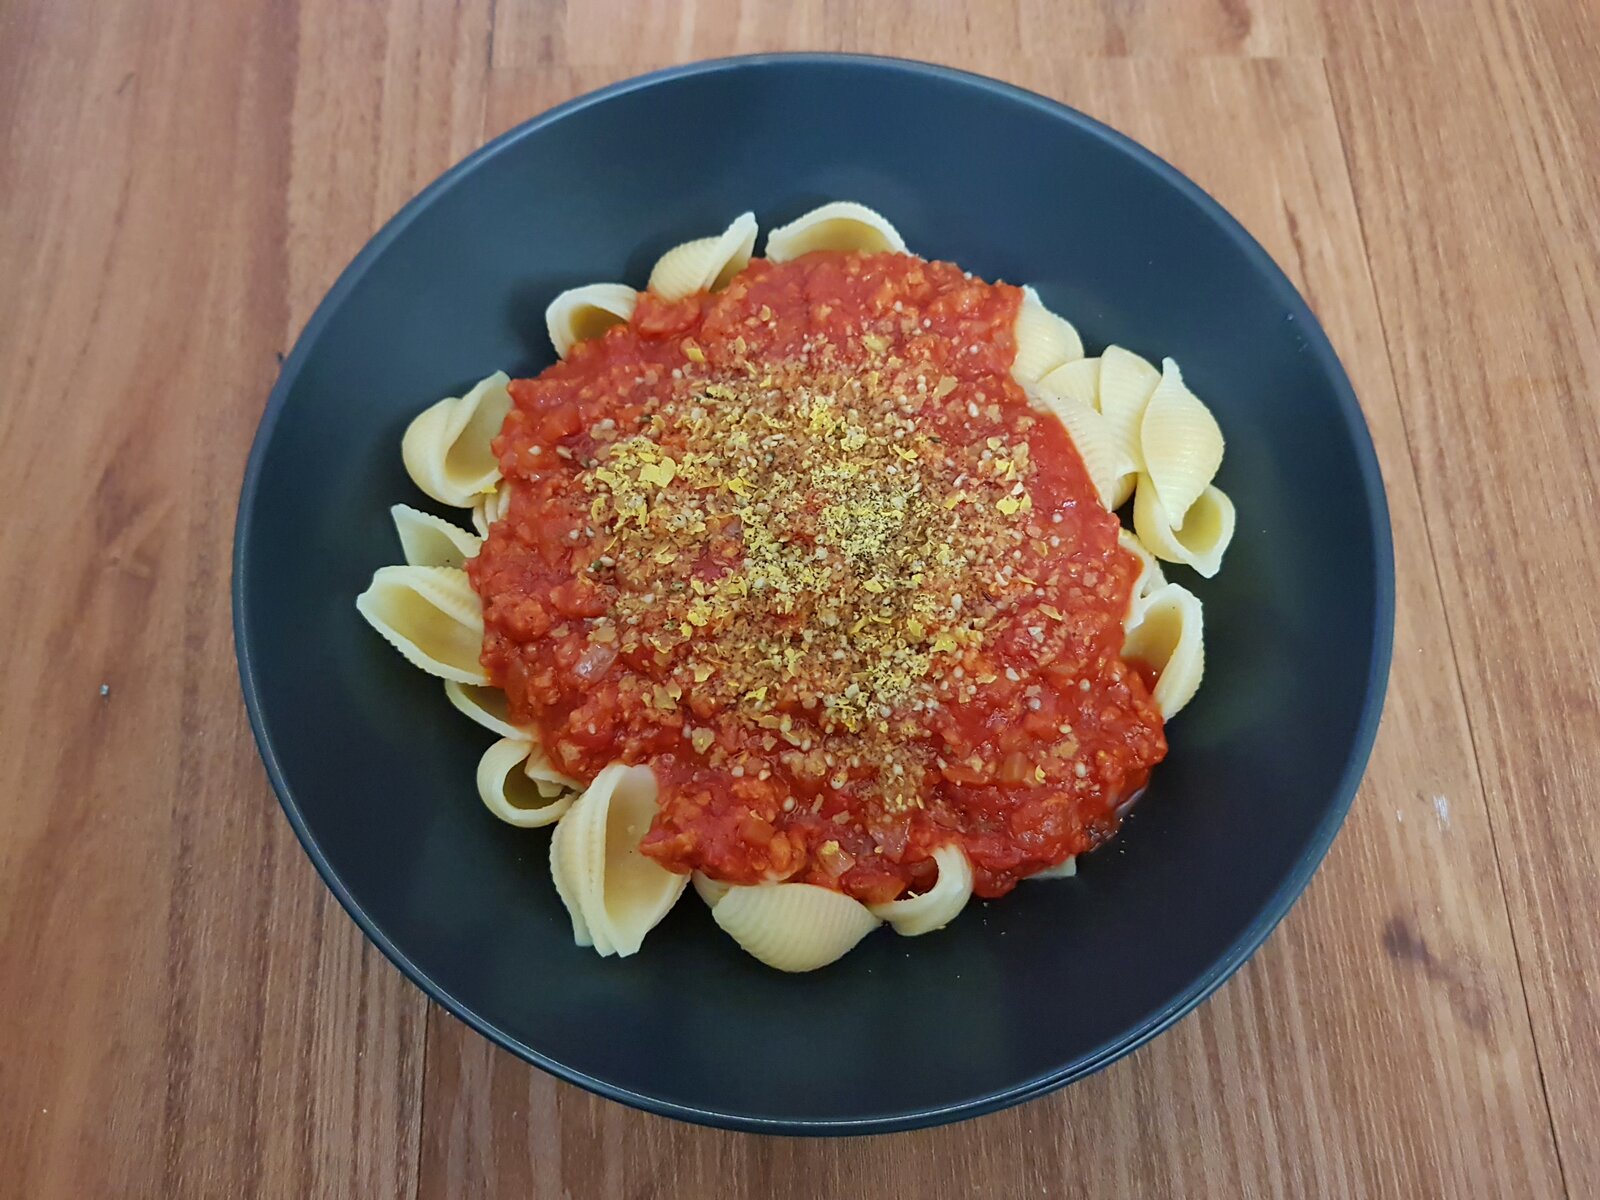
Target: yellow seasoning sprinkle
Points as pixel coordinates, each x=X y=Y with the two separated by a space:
x=692 y=351
x=1008 y=504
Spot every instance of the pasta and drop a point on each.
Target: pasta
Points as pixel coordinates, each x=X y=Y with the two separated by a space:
x=1180 y=446
x=705 y=265
x=768 y=534
x=841 y=225
x=1106 y=460
x=511 y=794
x=427 y=541
x=431 y=615
x=491 y=506
x=1169 y=638
x=581 y=313
x=793 y=926
x=611 y=890
x=1197 y=541
x=446 y=449
x=487 y=706
x=1045 y=342
x=940 y=904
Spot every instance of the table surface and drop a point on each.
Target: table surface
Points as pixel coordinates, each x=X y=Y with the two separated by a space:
x=184 y=1009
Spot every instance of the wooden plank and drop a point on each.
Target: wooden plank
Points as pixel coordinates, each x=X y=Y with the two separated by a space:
x=183 y=1008
x=1379 y=1045
x=1471 y=143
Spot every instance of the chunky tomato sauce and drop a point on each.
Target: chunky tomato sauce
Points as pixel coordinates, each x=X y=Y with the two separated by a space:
x=804 y=547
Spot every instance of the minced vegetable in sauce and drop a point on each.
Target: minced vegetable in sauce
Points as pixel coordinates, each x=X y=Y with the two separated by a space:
x=804 y=547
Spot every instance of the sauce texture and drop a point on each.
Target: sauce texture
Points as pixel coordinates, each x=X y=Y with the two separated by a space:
x=804 y=547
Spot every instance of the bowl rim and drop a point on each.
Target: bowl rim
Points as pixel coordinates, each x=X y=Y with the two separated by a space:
x=1221 y=968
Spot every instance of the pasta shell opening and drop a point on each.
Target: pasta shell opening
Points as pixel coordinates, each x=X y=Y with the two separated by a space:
x=581 y=313
x=446 y=448
x=705 y=264
x=940 y=904
x=1180 y=443
x=793 y=926
x=842 y=225
x=1199 y=542
x=510 y=794
x=431 y=616
x=428 y=541
x=1169 y=640
x=619 y=894
x=1045 y=341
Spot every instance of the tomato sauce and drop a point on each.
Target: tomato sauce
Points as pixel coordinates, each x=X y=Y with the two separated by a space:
x=805 y=548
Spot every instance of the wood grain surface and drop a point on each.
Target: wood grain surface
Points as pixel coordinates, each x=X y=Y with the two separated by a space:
x=185 y=1011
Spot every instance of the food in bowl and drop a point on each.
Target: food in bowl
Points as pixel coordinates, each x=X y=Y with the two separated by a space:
x=802 y=577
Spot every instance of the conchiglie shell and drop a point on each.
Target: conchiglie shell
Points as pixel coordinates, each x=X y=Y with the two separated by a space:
x=487 y=706
x=793 y=926
x=509 y=794
x=1126 y=384
x=490 y=507
x=1065 y=869
x=581 y=313
x=427 y=541
x=431 y=615
x=1170 y=639
x=1079 y=379
x=446 y=448
x=1102 y=457
x=1150 y=576
x=1180 y=443
x=842 y=225
x=620 y=893
x=940 y=904
x=549 y=781
x=1199 y=542
x=708 y=889
x=562 y=861
x=1045 y=341
x=705 y=264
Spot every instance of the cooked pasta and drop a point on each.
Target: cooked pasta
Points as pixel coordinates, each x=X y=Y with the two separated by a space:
x=581 y=313
x=940 y=904
x=615 y=892
x=774 y=516
x=428 y=541
x=446 y=449
x=1180 y=445
x=705 y=264
x=793 y=926
x=511 y=794
x=1169 y=638
x=432 y=616
x=842 y=225
x=490 y=506
x=1045 y=342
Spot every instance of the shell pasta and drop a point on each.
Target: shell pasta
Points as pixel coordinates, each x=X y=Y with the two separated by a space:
x=801 y=578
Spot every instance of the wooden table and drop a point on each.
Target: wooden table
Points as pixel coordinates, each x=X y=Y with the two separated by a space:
x=185 y=1011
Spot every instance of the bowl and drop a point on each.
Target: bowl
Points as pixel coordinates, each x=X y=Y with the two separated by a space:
x=1017 y=997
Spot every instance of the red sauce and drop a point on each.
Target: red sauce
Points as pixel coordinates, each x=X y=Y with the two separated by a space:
x=662 y=585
